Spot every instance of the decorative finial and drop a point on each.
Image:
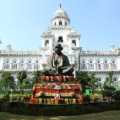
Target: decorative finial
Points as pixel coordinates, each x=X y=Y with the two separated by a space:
x=60 y=5
x=48 y=28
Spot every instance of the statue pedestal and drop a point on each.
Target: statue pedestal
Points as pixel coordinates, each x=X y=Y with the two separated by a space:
x=69 y=91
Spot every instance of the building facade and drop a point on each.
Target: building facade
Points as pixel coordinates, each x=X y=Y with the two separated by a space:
x=60 y=31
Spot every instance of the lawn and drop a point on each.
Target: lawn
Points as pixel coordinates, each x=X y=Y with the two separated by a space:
x=109 y=115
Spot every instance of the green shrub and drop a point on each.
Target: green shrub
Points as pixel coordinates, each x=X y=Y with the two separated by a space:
x=55 y=110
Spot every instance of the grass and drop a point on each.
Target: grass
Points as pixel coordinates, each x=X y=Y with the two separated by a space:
x=109 y=115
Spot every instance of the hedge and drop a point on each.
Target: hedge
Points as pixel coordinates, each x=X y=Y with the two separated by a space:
x=57 y=110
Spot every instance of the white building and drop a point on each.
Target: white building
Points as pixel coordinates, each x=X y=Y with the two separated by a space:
x=60 y=31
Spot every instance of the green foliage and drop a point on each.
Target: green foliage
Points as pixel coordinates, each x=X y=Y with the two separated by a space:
x=87 y=81
x=27 y=84
x=60 y=110
x=36 y=76
x=7 y=80
x=116 y=95
x=21 y=76
x=93 y=83
x=83 y=78
x=108 y=90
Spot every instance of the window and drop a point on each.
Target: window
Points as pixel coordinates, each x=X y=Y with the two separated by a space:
x=29 y=66
x=36 y=65
x=55 y=23
x=60 y=39
x=113 y=65
x=83 y=66
x=106 y=65
x=115 y=83
x=22 y=66
x=14 y=65
x=7 y=65
x=65 y=23
x=47 y=43
x=60 y=22
x=73 y=43
x=91 y=65
x=98 y=65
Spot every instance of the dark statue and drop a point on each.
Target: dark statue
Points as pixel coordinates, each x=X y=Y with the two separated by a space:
x=58 y=63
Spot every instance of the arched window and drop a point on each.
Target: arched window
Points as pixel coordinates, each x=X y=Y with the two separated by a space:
x=14 y=65
x=22 y=65
x=113 y=65
x=91 y=65
x=29 y=65
x=115 y=82
x=47 y=43
x=83 y=65
x=99 y=82
x=36 y=65
x=7 y=65
x=98 y=65
x=106 y=65
x=65 y=23
x=54 y=23
x=60 y=39
x=73 y=43
x=60 y=22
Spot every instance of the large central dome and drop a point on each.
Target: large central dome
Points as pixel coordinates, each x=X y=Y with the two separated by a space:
x=60 y=13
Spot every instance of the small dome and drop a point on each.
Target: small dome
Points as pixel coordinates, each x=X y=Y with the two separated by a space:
x=47 y=31
x=73 y=31
x=60 y=13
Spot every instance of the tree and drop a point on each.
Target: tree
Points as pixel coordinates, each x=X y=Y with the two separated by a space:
x=36 y=76
x=20 y=76
x=83 y=78
x=7 y=80
x=26 y=83
x=93 y=83
x=108 y=88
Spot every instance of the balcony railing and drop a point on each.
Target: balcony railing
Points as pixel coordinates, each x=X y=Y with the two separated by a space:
x=20 y=67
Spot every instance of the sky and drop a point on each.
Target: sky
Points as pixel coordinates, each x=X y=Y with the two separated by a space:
x=23 y=21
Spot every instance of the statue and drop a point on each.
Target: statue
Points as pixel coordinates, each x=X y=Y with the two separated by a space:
x=58 y=63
